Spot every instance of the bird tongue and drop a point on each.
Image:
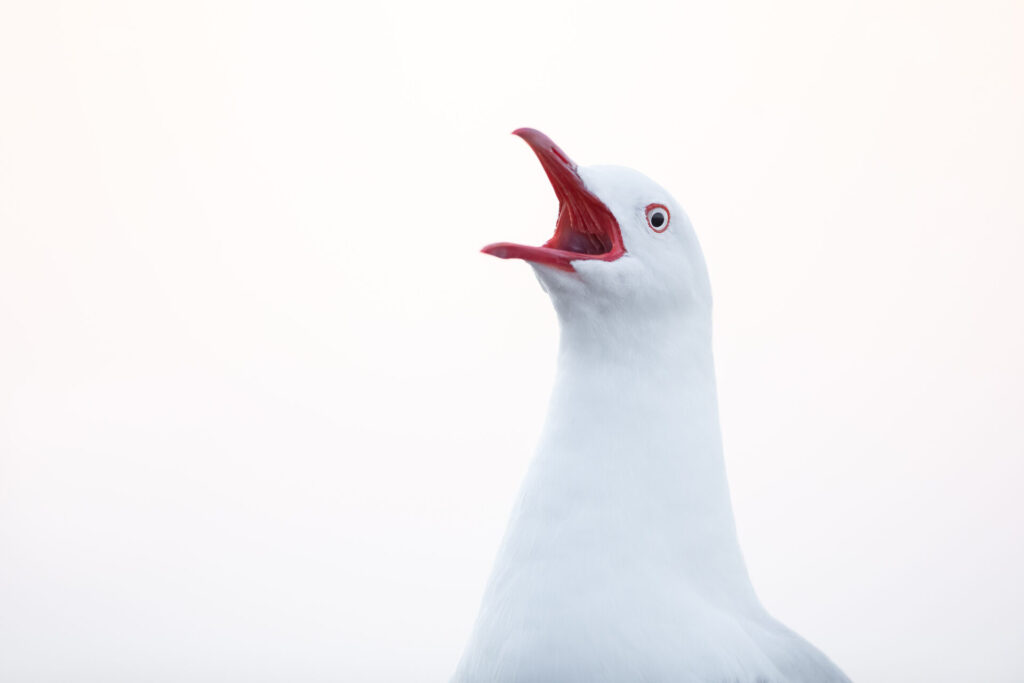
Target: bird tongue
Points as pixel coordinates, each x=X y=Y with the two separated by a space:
x=585 y=228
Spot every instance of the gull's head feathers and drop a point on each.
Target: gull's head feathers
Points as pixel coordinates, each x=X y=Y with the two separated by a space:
x=621 y=241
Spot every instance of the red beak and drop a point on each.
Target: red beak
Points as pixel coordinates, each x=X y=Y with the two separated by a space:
x=585 y=229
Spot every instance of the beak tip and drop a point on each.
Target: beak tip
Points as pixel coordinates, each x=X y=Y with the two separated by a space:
x=498 y=249
x=534 y=138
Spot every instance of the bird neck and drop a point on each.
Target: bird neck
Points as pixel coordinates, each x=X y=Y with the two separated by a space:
x=642 y=382
x=633 y=433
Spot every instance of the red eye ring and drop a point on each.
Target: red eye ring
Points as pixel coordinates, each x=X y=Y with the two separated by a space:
x=658 y=217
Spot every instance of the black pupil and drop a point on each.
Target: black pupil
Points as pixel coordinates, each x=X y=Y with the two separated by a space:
x=657 y=219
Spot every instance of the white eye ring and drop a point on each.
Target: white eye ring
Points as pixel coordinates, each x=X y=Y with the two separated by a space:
x=658 y=217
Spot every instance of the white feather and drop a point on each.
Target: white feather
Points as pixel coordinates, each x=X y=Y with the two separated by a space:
x=621 y=561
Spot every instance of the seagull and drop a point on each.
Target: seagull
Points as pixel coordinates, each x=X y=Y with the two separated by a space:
x=621 y=561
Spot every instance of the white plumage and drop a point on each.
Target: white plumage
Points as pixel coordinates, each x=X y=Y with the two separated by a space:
x=621 y=561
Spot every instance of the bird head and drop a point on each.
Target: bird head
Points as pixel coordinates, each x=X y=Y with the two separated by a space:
x=621 y=241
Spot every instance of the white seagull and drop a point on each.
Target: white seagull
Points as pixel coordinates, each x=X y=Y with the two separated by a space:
x=621 y=562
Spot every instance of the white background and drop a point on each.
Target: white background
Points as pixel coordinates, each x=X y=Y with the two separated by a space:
x=264 y=408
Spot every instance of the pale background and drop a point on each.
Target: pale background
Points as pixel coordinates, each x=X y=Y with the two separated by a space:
x=264 y=408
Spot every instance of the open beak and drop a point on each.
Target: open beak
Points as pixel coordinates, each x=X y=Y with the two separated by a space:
x=585 y=229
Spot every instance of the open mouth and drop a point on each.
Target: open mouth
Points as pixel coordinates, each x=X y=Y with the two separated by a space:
x=585 y=228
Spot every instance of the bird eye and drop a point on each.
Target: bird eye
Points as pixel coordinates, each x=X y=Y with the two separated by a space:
x=657 y=217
